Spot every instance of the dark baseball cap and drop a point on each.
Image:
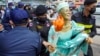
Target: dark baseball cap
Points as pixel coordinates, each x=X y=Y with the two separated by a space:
x=10 y=4
x=88 y=2
x=40 y=10
x=17 y=15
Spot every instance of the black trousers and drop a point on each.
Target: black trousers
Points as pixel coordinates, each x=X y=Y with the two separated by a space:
x=90 y=51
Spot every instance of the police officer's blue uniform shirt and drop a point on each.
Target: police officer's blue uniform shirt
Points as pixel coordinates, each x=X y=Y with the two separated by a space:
x=5 y=20
x=19 y=41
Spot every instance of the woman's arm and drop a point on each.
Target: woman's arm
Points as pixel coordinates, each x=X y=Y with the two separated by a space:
x=77 y=36
x=76 y=41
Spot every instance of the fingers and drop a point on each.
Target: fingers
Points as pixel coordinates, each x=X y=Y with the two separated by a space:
x=46 y=44
x=89 y=40
x=51 y=48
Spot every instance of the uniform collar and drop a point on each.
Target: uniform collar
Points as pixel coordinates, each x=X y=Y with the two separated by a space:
x=89 y=16
x=39 y=22
x=20 y=27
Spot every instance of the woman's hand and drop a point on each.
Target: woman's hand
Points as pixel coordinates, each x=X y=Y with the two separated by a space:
x=51 y=48
x=89 y=40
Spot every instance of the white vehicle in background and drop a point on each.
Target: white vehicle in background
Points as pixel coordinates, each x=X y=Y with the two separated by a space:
x=97 y=9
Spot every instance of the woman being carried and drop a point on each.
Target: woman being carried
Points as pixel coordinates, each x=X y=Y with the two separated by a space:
x=67 y=37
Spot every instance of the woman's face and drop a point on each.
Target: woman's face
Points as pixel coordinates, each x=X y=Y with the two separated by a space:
x=66 y=13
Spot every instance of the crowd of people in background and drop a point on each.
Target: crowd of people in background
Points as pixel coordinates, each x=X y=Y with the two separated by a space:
x=56 y=30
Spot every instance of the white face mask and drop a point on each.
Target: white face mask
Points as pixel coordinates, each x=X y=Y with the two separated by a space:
x=13 y=7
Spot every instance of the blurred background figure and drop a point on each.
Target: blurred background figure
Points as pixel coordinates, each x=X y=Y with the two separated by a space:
x=2 y=12
x=20 y=5
x=52 y=14
x=71 y=5
x=29 y=10
x=6 y=18
x=1 y=27
x=79 y=9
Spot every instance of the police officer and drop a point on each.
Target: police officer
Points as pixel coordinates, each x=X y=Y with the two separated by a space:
x=42 y=25
x=85 y=18
x=5 y=20
x=19 y=41
x=20 y=5
x=29 y=10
